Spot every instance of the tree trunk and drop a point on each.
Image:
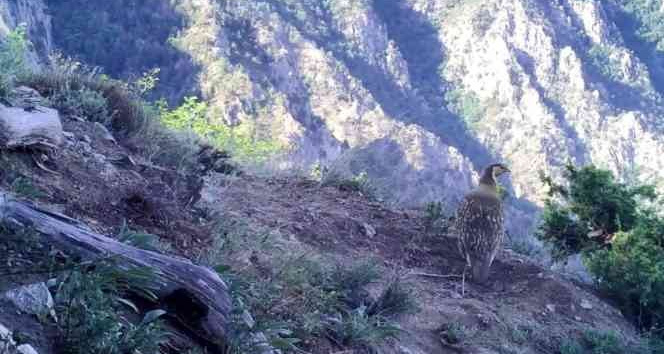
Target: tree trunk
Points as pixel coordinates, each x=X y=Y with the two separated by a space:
x=196 y=296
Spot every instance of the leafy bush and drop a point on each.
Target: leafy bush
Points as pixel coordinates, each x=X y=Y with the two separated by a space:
x=83 y=102
x=13 y=49
x=621 y=241
x=193 y=115
x=631 y=271
x=579 y=216
x=24 y=187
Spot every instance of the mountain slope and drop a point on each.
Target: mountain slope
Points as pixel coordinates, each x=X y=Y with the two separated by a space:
x=418 y=93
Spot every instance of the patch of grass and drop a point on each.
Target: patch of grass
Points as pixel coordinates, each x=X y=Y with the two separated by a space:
x=434 y=217
x=396 y=299
x=603 y=342
x=571 y=346
x=142 y=240
x=306 y=302
x=359 y=183
x=454 y=333
x=88 y=300
x=24 y=187
x=360 y=330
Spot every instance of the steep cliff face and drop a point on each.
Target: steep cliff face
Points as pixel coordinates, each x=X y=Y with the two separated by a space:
x=418 y=93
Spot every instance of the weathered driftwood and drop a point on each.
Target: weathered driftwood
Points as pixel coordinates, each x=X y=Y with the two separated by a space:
x=36 y=126
x=195 y=295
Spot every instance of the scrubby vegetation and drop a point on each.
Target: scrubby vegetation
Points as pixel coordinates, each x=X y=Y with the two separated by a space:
x=651 y=17
x=91 y=298
x=87 y=305
x=618 y=234
x=307 y=301
x=12 y=60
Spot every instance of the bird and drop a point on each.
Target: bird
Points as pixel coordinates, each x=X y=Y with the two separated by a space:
x=479 y=223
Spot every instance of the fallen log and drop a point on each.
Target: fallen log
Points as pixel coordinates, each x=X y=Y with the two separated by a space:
x=196 y=296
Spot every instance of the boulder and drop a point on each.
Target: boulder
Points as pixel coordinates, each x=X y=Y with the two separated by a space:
x=8 y=345
x=34 y=299
x=37 y=127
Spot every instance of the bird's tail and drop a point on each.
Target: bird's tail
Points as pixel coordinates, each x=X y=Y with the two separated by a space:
x=481 y=268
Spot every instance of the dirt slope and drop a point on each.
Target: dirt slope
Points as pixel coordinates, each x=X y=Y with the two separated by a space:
x=523 y=309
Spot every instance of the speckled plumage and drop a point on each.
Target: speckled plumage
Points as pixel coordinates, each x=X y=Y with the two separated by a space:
x=479 y=225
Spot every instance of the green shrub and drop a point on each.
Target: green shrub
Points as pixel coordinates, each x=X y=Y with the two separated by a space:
x=359 y=183
x=193 y=115
x=592 y=205
x=13 y=49
x=621 y=241
x=83 y=102
x=632 y=271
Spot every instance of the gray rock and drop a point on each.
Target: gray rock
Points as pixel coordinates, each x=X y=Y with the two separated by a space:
x=26 y=349
x=39 y=127
x=585 y=304
x=8 y=345
x=103 y=133
x=369 y=230
x=34 y=299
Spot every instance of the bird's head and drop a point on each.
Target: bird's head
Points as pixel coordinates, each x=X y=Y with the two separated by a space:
x=491 y=172
x=498 y=169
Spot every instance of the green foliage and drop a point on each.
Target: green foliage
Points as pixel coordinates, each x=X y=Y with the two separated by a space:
x=13 y=49
x=622 y=243
x=79 y=90
x=434 y=216
x=87 y=305
x=651 y=18
x=359 y=183
x=141 y=239
x=83 y=102
x=193 y=115
x=24 y=187
x=124 y=37
x=454 y=333
x=600 y=57
x=466 y=105
x=305 y=300
x=394 y=300
x=592 y=201
x=357 y=329
x=632 y=271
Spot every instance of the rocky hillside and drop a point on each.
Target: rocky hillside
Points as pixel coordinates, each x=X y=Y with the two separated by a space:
x=418 y=93
x=317 y=267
